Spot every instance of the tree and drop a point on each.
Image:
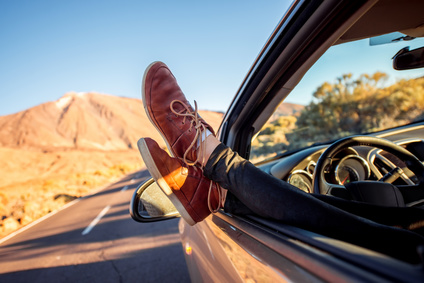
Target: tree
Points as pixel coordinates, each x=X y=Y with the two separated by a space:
x=353 y=106
x=347 y=107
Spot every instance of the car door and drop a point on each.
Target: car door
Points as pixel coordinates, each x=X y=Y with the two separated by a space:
x=229 y=249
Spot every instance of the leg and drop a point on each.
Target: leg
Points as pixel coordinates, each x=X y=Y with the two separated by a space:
x=272 y=198
x=261 y=193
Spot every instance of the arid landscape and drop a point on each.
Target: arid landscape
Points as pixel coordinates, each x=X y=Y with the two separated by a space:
x=58 y=151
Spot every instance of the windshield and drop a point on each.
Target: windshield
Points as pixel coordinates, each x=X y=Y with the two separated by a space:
x=352 y=89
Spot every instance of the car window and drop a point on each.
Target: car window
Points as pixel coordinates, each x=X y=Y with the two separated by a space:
x=352 y=89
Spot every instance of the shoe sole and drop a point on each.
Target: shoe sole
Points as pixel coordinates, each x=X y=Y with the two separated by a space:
x=154 y=171
x=143 y=97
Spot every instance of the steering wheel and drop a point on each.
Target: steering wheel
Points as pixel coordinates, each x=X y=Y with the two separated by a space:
x=320 y=186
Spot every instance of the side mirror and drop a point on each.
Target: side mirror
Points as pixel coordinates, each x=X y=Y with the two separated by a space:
x=149 y=203
x=407 y=59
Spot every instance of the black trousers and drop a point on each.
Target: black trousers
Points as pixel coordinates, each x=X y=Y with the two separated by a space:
x=252 y=191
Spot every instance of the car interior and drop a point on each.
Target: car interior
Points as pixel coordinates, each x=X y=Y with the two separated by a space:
x=382 y=166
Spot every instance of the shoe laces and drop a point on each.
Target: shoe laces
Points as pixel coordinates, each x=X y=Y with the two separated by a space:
x=220 y=197
x=200 y=135
x=199 y=127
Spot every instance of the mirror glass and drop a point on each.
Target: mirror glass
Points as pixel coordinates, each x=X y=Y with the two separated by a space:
x=149 y=203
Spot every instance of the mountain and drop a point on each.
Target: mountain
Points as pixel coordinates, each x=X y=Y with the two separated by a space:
x=286 y=109
x=83 y=121
x=61 y=150
x=79 y=133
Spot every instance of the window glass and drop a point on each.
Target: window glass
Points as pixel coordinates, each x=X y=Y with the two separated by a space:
x=352 y=89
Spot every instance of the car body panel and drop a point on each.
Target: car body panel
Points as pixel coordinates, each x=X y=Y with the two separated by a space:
x=226 y=248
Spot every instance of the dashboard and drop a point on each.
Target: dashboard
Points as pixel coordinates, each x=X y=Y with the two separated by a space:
x=356 y=163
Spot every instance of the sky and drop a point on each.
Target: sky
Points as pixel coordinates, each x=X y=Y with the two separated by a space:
x=49 y=48
x=354 y=58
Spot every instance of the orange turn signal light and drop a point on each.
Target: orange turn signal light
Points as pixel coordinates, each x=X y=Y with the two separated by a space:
x=188 y=249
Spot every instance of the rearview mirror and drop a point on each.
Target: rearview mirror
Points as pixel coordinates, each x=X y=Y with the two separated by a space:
x=150 y=204
x=407 y=59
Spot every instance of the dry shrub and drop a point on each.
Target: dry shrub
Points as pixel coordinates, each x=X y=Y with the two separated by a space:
x=47 y=195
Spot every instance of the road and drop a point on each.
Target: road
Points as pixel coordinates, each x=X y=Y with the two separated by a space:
x=95 y=240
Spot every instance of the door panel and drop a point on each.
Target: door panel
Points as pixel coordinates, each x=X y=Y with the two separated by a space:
x=222 y=252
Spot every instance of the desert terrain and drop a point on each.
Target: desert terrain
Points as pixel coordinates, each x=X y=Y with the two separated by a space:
x=58 y=151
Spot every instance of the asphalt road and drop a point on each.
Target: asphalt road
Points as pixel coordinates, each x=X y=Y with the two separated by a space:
x=95 y=240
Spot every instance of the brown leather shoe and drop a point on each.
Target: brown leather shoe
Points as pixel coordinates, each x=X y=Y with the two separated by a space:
x=193 y=195
x=171 y=113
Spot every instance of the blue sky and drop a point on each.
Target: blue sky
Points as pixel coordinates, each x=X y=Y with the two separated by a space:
x=356 y=58
x=49 y=48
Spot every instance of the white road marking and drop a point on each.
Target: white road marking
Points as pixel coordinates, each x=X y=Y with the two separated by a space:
x=95 y=221
x=124 y=188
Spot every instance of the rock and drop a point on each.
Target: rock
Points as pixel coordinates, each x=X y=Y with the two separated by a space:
x=26 y=220
x=10 y=224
